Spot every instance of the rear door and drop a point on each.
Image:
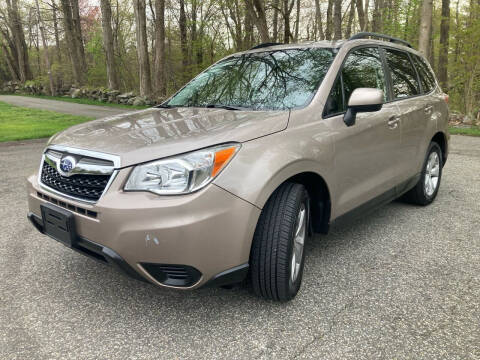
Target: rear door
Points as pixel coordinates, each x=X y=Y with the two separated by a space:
x=406 y=92
x=433 y=102
x=364 y=152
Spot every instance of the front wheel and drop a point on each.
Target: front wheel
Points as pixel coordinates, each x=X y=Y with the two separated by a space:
x=277 y=256
x=427 y=187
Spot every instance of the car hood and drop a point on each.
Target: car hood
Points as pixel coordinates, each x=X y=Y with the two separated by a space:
x=157 y=132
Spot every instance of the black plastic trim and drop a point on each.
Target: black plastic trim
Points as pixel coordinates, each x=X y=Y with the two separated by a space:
x=173 y=274
x=382 y=199
x=365 y=35
x=267 y=44
x=93 y=250
x=231 y=276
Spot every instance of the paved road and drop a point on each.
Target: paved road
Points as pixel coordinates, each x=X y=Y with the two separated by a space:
x=63 y=106
x=403 y=283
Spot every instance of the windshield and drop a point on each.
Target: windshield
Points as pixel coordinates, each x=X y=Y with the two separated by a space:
x=271 y=80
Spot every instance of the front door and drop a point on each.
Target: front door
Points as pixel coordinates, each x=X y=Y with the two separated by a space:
x=365 y=153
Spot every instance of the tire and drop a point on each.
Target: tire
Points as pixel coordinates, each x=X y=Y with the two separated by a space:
x=422 y=194
x=271 y=257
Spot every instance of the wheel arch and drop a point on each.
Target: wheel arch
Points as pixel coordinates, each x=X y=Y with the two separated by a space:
x=320 y=197
x=441 y=139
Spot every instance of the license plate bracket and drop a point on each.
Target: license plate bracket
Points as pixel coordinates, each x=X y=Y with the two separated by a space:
x=59 y=224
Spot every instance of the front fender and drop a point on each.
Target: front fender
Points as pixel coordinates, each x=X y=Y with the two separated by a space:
x=263 y=164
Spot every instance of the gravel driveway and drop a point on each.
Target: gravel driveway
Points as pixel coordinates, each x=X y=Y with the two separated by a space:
x=402 y=282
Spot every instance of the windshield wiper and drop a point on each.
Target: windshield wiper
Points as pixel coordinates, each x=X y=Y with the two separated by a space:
x=226 y=107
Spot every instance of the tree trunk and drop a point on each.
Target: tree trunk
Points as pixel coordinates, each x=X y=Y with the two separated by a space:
x=78 y=35
x=12 y=66
x=142 y=48
x=55 y=30
x=377 y=21
x=275 y=5
x=361 y=15
x=45 y=50
x=337 y=20
x=160 y=85
x=328 y=31
x=108 y=43
x=297 y=21
x=256 y=9
x=444 y=44
x=287 y=9
x=18 y=38
x=71 y=40
x=318 y=21
x=351 y=15
x=183 y=40
x=425 y=27
x=193 y=32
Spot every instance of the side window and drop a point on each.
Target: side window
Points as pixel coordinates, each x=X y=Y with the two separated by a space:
x=362 y=68
x=404 y=77
x=426 y=77
x=334 y=104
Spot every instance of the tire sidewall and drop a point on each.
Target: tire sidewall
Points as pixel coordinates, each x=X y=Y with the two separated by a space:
x=293 y=287
x=434 y=147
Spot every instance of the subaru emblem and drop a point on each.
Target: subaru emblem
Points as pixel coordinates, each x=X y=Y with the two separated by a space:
x=67 y=164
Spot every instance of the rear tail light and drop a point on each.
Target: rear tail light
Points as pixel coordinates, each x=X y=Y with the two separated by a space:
x=446 y=98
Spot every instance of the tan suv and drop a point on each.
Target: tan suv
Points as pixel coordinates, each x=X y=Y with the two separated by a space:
x=231 y=176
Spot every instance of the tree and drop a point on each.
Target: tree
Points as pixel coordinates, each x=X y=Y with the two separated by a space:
x=108 y=43
x=183 y=39
x=444 y=44
x=337 y=20
x=425 y=27
x=377 y=20
x=45 y=50
x=287 y=10
x=142 y=48
x=351 y=16
x=328 y=31
x=160 y=86
x=256 y=9
x=74 y=41
x=318 y=28
x=18 y=45
x=361 y=15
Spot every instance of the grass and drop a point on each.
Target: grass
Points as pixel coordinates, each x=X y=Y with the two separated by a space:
x=19 y=123
x=85 y=101
x=471 y=131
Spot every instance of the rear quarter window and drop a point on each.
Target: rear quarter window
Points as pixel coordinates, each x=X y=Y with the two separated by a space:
x=403 y=75
x=426 y=77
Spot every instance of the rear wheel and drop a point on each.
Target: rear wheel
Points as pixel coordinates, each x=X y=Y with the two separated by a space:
x=277 y=256
x=427 y=187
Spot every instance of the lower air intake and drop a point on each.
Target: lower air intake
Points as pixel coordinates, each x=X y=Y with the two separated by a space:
x=173 y=275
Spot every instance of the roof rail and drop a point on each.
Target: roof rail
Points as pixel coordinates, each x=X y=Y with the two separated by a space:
x=259 y=46
x=364 y=35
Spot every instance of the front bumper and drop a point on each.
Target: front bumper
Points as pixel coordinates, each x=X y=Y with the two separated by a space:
x=210 y=230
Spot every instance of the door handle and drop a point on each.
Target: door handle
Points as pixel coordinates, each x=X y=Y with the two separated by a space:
x=393 y=121
x=428 y=109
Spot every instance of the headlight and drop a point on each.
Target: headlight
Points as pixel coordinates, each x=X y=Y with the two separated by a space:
x=181 y=174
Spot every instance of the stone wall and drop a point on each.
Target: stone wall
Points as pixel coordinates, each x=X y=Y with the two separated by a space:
x=98 y=94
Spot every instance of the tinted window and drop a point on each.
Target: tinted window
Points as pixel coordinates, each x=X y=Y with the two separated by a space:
x=362 y=68
x=426 y=77
x=334 y=103
x=404 y=77
x=266 y=80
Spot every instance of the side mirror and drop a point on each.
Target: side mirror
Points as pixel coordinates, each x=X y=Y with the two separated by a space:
x=362 y=100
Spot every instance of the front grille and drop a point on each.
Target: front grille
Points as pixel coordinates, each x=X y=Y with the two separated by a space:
x=86 y=187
